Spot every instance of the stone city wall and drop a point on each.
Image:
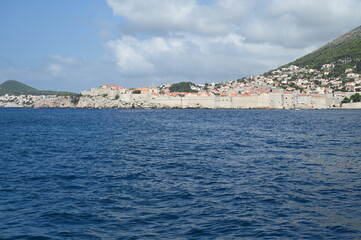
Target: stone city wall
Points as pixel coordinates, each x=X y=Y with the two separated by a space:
x=106 y=98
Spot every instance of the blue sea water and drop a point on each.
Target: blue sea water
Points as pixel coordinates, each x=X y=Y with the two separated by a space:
x=180 y=174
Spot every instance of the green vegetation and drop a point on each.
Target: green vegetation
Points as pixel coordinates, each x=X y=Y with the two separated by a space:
x=116 y=97
x=354 y=98
x=358 y=67
x=205 y=86
x=137 y=91
x=339 y=70
x=182 y=87
x=217 y=86
x=241 y=80
x=292 y=84
x=345 y=100
x=13 y=87
x=331 y=53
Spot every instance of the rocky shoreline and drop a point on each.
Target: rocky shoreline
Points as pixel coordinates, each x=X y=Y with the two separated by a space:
x=100 y=102
x=78 y=102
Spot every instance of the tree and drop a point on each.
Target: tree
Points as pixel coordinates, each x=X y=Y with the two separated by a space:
x=358 y=67
x=241 y=80
x=136 y=91
x=182 y=87
x=345 y=100
x=356 y=98
x=116 y=97
x=317 y=82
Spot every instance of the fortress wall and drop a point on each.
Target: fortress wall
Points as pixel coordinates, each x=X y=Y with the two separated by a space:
x=103 y=91
x=125 y=97
x=224 y=102
x=303 y=102
x=261 y=101
x=245 y=102
x=317 y=102
x=173 y=102
x=328 y=100
x=196 y=102
x=334 y=101
x=143 y=97
x=275 y=100
x=264 y=101
x=289 y=101
x=356 y=105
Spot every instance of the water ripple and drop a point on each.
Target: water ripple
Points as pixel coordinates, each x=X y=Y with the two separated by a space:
x=180 y=174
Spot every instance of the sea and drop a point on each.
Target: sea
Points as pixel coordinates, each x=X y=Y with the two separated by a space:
x=180 y=174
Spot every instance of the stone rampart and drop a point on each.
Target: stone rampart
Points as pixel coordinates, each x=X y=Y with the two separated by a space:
x=356 y=105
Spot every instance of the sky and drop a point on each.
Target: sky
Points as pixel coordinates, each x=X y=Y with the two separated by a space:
x=74 y=45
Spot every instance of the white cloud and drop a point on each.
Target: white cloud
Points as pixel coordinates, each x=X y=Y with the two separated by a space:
x=163 y=16
x=57 y=65
x=55 y=69
x=301 y=23
x=222 y=39
x=195 y=57
x=293 y=23
x=128 y=55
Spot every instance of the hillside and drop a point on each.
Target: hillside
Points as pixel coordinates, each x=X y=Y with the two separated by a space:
x=13 y=87
x=347 y=46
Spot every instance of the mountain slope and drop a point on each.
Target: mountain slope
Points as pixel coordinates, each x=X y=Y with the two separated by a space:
x=13 y=87
x=345 y=46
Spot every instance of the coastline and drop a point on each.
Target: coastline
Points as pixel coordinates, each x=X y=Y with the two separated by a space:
x=106 y=98
x=345 y=106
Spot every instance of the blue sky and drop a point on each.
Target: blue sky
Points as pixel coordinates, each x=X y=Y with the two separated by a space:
x=75 y=45
x=34 y=29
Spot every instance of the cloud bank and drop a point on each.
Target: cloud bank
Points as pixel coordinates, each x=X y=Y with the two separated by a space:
x=222 y=40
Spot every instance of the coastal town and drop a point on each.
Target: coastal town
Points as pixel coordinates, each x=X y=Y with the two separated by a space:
x=291 y=79
x=289 y=87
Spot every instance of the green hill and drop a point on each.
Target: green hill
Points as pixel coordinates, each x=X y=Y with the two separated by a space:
x=182 y=87
x=347 y=46
x=13 y=87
